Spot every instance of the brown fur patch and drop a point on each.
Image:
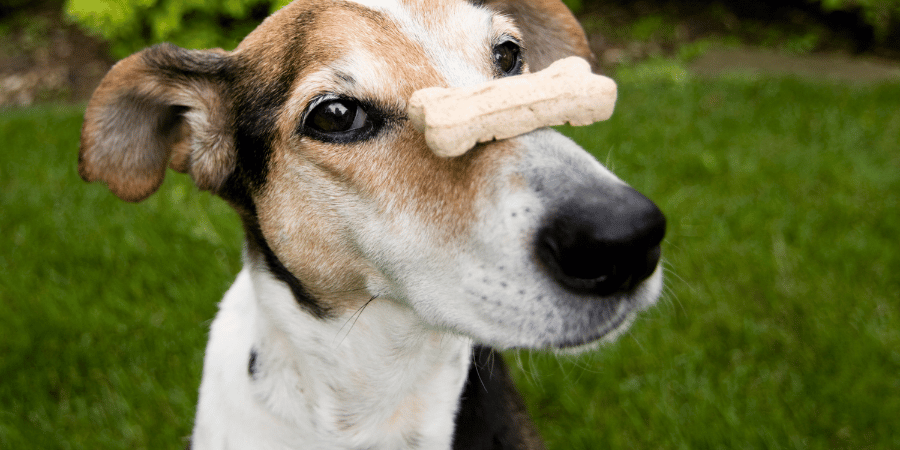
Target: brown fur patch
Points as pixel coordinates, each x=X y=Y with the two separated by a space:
x=142 y=113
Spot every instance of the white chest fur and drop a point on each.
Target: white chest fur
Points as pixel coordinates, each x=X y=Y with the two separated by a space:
x=378 y=380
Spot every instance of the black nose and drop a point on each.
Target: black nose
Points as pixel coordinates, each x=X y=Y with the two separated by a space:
x=602 y=242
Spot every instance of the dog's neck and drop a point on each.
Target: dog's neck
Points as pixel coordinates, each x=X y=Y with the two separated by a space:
x=374 y=378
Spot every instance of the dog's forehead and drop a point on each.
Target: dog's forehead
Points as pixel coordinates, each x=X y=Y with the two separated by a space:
x=455 y=36
x=410 y=39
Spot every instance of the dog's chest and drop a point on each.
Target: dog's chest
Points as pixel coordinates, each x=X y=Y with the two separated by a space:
x=404 y=402
x=393 y=411
x=296 y=387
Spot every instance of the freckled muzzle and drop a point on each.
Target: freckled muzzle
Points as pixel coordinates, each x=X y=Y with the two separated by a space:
x=602 y=241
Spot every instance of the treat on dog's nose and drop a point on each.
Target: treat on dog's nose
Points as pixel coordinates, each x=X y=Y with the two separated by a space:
x=455 y=119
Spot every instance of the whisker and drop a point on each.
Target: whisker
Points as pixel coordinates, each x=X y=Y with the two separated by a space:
x=476 y=366
x=354 y=317
x=532 y=374
x=586 y=363
x=669 y=290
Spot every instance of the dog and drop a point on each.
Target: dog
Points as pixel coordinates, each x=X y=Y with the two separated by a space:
x=379 y=278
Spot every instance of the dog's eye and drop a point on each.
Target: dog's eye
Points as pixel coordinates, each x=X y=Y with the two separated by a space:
x=337 y=119
x=337 y=116
x=508 y=58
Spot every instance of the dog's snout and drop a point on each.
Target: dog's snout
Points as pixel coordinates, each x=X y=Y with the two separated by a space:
x=600 y=242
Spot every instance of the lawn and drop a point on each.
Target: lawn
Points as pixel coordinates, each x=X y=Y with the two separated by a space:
x=780 y=326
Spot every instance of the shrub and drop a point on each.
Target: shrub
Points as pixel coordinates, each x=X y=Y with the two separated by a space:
x=11 y=4
x=881 y=15
x=129 y=25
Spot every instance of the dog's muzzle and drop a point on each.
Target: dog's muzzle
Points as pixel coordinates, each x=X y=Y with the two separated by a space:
x=602 y=241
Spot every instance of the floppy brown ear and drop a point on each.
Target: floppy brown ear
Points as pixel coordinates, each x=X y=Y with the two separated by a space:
x=551 y=31
x=162 y=104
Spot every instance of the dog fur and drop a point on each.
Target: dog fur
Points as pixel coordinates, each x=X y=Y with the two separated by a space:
x=377 y=276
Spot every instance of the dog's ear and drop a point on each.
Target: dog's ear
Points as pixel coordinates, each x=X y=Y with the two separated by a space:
x=164 y=105
x=551 y=31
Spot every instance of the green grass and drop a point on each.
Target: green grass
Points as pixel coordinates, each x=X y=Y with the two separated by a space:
x=780 y=327
x=105 y=305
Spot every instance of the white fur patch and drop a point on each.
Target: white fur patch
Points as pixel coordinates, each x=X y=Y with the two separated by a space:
x=461 y=24
x=344 y=383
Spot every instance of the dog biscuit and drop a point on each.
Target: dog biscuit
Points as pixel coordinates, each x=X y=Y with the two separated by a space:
x=455 y=119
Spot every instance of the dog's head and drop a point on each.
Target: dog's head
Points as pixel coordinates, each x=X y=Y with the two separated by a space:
x=302 y=128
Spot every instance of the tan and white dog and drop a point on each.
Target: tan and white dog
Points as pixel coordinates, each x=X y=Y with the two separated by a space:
x=377 y=275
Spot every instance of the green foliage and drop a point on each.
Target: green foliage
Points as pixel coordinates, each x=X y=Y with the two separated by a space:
x=103 y=324
x=575 y=5
x=129 y=25
x=11 y=4
x=880 y=14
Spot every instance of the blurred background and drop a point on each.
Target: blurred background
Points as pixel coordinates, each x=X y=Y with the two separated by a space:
x=768 y=132
x=58 y=50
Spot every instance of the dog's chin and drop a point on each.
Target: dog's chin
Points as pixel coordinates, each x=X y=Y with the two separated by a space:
x=618 y=323
x=583 y=323
x=607 y=334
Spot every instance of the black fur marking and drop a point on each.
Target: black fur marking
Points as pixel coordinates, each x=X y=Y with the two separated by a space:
x=251 y=365
x=255 y=112
x=492 y=414
x=257 y=245
x=255 y=130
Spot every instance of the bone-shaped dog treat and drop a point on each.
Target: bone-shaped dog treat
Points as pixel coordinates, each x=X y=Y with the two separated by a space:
x=455 y=119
